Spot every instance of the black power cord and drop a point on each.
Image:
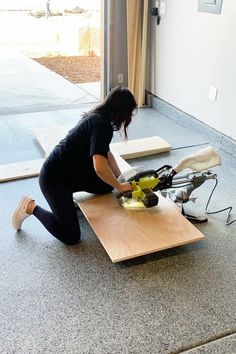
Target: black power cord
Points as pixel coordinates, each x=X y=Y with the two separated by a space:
x=221 y=210
x=209 y=199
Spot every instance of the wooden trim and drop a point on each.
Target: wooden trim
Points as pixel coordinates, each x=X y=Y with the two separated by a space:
x=142 y=80
x=133 y=44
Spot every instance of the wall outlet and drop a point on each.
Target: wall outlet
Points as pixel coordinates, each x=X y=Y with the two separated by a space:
x=213 y=93
x=120 y=78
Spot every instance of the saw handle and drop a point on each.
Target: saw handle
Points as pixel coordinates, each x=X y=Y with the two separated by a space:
x=142 y=174
x=134 y=193
x=127 y=194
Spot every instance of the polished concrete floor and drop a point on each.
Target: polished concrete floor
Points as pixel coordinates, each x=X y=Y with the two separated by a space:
x=60 y=299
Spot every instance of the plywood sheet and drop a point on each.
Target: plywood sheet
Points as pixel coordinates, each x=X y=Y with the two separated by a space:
x=127 y=234
x=48 y=137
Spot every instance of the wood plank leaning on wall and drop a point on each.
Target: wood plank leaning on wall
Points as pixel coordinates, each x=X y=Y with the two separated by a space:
x=137 y=22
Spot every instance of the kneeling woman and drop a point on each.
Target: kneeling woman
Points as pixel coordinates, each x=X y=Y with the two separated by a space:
x=82 y=161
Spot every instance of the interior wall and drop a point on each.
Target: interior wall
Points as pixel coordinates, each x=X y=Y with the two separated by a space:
x=191 y=51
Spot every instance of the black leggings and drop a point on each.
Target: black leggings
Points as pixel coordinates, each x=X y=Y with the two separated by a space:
x=62 y=221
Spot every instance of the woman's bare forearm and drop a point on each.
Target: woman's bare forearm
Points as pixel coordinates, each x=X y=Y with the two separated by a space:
x=104 y=171
x=113 y=164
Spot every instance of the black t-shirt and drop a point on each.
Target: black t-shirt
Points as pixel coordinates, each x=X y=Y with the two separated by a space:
x=71 y=159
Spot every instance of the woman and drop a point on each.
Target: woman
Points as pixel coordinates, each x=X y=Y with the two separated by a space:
x=82 y=161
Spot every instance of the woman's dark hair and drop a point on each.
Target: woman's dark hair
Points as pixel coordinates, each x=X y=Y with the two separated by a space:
x=118 y=107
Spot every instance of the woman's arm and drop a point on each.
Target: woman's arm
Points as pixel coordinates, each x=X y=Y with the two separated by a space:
x=113 y=164
x=105 y=171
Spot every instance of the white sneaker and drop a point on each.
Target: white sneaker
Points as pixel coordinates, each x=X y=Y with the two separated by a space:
x=20 y=213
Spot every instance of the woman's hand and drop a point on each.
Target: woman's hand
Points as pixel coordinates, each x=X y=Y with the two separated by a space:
x=124 y=187
x=104 y=171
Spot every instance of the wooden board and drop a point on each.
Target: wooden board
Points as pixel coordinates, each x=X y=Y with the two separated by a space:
x=20 y=170
x=141 y=147
x=127 y=234
x=48 y=137
x=31 y=168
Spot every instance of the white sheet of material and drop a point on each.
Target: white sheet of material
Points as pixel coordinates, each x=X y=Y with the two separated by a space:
x=202 y=160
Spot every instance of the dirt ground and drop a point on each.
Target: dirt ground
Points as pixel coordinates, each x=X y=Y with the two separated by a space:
x=77 y=69
x=46 y=42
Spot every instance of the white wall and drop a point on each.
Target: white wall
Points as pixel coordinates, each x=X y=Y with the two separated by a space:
x=191 y=51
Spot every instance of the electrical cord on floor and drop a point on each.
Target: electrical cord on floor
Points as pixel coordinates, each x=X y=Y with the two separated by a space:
x=219 y=211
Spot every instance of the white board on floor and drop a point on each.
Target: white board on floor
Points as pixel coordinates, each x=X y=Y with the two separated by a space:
x=18 y=170
x=140 y=147
x=48 y=137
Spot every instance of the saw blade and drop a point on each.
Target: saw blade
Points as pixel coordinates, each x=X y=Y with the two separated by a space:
x=133 y=204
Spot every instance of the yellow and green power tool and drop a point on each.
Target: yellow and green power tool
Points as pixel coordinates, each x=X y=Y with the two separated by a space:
x=144 y=185
x=177 y=188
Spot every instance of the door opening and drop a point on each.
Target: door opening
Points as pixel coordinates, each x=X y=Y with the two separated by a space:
x=53 y=58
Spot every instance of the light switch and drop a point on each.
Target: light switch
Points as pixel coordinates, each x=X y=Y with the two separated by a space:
x=211 y=6
x=213 y=93
x=162 y=8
